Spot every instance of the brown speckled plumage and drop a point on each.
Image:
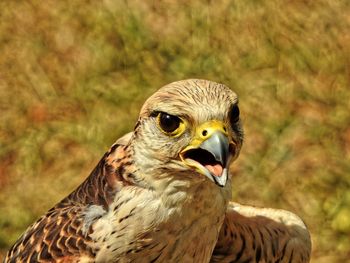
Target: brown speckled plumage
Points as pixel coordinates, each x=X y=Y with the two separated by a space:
x=143 y=203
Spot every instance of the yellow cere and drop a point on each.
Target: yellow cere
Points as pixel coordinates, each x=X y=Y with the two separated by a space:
x=204 y=131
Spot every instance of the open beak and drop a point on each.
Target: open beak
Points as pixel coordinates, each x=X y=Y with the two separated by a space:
x=209 y=152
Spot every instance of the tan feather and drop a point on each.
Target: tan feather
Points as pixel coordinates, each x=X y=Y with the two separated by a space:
x=252 y=234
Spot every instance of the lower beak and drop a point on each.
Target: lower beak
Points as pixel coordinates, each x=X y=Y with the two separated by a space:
x=218 y=146
x=209 y=156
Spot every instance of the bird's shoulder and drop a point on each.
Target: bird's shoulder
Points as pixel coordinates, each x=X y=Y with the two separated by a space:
x=63 y=233
x=253 y=234
x=58 y=236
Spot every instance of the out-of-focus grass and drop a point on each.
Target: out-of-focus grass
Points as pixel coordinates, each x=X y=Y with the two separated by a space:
x=73 y=75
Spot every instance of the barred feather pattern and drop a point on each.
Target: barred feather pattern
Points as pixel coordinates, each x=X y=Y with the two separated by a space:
x=252 y=234
x=61 y=235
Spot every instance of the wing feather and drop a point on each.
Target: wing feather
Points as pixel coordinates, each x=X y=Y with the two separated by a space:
x=53 y=237
x=251 y=234
x=62 y=234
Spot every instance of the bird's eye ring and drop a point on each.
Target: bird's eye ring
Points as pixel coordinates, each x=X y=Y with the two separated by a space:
x=234 y=115
x=169 y=124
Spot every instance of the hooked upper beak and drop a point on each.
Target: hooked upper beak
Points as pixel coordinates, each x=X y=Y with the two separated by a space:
x=209 y=152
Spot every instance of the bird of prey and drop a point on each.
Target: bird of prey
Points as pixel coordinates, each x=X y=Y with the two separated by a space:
x=162 y=194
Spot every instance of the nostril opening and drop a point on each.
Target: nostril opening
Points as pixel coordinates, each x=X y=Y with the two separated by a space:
x=204 y=133
x=225 y=129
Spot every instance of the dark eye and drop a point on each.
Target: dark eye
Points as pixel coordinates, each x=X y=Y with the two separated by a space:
x=234 y=114
x=168 y=123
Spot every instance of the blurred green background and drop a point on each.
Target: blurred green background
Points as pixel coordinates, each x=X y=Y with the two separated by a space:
x=74 y=74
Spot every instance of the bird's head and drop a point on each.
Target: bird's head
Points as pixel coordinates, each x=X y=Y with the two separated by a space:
x=190 y=129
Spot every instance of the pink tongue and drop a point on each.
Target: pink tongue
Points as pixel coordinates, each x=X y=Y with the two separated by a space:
x=215 y=169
